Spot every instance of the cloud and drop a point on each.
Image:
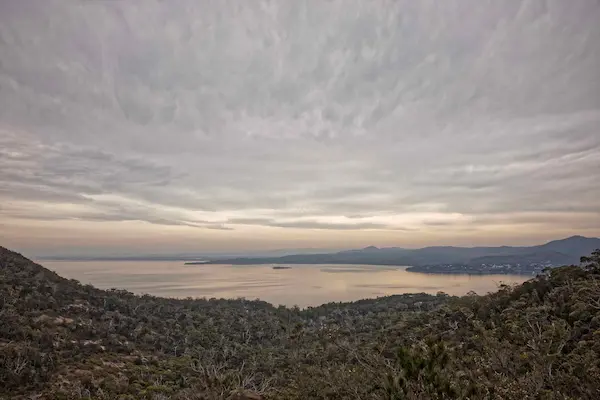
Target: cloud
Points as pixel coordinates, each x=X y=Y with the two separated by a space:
x=337 y=115
x=308 y=224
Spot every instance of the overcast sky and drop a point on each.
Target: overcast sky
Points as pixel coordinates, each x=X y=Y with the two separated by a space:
x=164 y=126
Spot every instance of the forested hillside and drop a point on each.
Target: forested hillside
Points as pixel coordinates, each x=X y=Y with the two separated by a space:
x=63 y=340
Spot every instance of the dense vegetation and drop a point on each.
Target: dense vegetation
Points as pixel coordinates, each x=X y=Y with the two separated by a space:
x=60 y=339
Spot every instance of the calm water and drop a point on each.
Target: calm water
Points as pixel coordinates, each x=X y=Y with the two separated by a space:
x=303 y=285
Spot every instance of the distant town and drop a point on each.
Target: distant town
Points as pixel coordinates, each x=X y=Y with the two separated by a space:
x=534 y=268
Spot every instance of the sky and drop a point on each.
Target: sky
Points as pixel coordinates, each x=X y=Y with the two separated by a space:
x=190 y=126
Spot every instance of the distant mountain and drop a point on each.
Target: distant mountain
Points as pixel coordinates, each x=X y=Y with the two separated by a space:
x=557 y=252
x=574 y=245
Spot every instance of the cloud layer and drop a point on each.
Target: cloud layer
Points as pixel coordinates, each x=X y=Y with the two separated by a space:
x=405 y=121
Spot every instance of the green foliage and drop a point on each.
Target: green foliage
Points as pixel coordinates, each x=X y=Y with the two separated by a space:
x=592 y=263
x=421 y=371
x=60 y=339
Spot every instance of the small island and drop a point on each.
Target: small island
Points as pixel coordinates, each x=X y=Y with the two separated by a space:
x=282 y=267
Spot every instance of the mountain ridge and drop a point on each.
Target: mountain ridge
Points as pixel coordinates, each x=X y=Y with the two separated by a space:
x=555 y=252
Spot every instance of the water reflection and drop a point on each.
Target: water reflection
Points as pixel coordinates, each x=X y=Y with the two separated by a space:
x=302 y=285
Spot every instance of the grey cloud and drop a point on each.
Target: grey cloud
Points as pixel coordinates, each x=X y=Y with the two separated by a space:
x=301 y=109
x=438 y=223
x=307 y=224
x=73 y=171
x=109 y=211
x=104 y=211
x=12 y=190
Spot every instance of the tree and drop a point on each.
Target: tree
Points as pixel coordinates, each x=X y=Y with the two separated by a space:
x=592 y=263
